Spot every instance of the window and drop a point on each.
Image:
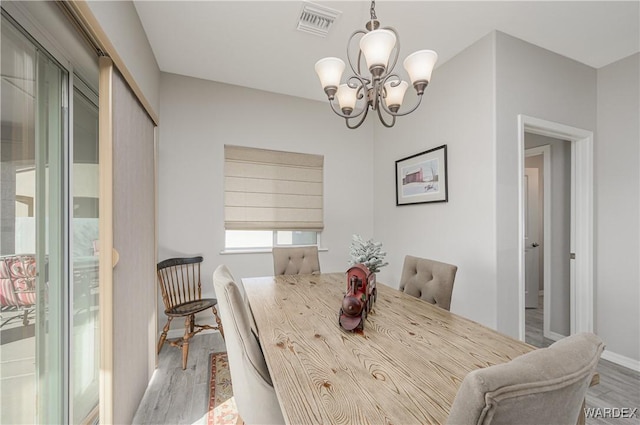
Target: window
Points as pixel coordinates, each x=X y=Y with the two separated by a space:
x=265 y=239
x=272 y=198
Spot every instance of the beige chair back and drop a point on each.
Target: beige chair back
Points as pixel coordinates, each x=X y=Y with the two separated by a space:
x=545 y=386
x=296 y=260
x=252 y=388
x=429 y=280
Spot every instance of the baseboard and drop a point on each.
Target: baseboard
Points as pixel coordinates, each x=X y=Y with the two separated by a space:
x=553 y=335
x=621 y=360
x=618 y=359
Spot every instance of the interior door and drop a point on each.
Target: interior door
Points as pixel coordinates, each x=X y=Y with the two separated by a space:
x=531 y=243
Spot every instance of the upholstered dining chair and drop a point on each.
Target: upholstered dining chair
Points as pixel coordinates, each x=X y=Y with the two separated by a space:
x=296 y=260
x=181 y=288
x=429 y=280
x=252 y=387
x=545 y=386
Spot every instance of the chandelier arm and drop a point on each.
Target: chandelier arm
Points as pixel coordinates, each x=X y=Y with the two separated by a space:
x=393 y=117
x=386 y=78
x=338 y=112
x=366 y=111
x=390 y=76
x=355 y=71
x=364 y=83
x=396 y=48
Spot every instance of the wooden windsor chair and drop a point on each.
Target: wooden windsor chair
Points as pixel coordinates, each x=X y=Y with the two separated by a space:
x=180 y=285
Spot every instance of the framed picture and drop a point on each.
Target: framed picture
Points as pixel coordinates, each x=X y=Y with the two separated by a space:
x=422 y=177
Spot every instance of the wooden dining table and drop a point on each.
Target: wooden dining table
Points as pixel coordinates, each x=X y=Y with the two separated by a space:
x=404 y=368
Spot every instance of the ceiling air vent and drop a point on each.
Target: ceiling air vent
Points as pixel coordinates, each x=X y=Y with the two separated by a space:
x=316 y=19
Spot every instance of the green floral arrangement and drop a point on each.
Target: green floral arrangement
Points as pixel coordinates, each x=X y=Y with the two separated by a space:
x=368 y=253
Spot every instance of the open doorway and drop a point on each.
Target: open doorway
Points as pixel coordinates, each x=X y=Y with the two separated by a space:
x=547 y=197
x=581 y=222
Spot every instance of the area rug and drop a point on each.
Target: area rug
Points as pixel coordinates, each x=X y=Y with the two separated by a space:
x=222 y=406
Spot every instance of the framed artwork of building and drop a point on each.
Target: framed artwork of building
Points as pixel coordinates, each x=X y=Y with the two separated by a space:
x=422 y=177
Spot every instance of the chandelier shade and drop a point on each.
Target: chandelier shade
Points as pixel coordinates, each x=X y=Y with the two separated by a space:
x=380 y=90
x=419 y=65
x=395 y=93
x=347 y=98
x=376 y=46
x=330 y=71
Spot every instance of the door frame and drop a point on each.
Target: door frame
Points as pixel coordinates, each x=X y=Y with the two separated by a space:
x=582 y=287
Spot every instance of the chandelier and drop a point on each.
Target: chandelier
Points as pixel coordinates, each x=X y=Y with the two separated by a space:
x=382 y=90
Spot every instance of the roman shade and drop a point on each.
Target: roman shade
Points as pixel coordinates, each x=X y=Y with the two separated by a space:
x=272 y=190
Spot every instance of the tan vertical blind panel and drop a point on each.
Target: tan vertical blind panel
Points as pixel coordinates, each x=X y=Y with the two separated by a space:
x=106 y=239
x=127 y=222
x=267 y=189
x=134 y=277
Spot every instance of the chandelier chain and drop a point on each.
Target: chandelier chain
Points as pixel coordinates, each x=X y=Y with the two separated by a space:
x=373 y=11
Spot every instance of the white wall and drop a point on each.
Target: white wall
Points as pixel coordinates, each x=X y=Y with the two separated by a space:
x=457 y=110
x=199 y=117
x=538 y=83
x=617 y=186
x=121 y=23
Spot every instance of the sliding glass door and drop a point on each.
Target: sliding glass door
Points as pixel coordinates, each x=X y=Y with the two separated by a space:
x=34 y=125
x=48 y=244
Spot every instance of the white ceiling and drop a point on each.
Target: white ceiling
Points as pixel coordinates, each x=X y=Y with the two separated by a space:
x=255 y=44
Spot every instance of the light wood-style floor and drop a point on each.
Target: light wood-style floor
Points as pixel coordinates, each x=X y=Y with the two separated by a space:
x=175 y=396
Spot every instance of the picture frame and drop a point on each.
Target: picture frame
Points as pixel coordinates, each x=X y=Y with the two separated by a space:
x=422 y=178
